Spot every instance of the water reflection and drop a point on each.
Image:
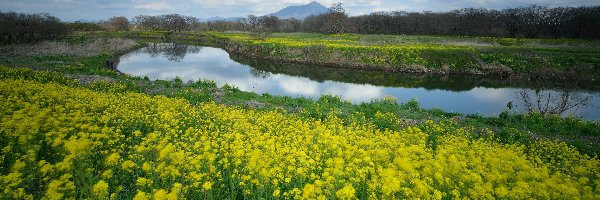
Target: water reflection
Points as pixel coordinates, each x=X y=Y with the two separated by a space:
x=450 y=93
x=565 y=101
x=171 y=51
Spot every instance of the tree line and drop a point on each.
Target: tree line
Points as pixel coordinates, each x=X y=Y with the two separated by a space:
x=531 y=22
x=28 y=28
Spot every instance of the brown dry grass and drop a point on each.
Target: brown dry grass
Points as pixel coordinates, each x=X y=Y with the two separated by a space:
x=88 y=48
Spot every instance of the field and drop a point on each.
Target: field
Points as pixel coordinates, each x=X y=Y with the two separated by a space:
x=543 y=58
x=517 y=58
x=94 y=133
x=103 y=143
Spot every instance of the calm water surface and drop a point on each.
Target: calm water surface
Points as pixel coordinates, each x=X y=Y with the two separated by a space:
x=165 y=61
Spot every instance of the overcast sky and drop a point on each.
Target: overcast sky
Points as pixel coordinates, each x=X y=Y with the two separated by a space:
x=71 y=10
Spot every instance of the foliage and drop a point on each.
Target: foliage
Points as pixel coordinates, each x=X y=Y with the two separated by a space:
x=84 y=144
x=116 y=23
x=520 y=22
x=84 y=26
x=29 y=28
x=473 y=55
x=260 y=33
x=170 y=22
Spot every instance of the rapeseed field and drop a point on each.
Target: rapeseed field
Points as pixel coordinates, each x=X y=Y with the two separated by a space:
x=60 y=140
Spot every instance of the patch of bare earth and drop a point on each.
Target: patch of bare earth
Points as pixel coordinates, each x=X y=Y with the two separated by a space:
x=90 y=79
x=89 y=48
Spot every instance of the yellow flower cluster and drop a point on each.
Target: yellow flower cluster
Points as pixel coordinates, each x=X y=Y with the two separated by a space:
x=349 y=47
x=63 y=142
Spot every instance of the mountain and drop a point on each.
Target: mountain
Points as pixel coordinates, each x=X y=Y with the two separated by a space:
x=300 y=12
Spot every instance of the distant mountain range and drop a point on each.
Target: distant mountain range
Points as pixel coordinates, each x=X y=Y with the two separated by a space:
x=300 y=12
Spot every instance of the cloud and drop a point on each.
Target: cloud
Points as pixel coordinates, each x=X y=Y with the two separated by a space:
x=302 y=86
x=493 y=95
x=152 y=6
x=103 y=9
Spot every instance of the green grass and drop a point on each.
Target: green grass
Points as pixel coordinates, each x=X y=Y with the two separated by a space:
x=457 y=54
x=385 y=113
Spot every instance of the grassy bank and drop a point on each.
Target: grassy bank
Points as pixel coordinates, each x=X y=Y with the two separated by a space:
x=499 y=57
x=95 y=133
x=104 y=141
x=89 y=70
x=543 y=58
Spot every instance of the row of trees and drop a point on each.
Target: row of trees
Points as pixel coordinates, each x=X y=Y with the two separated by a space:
x=533 y=22
x=26 y=28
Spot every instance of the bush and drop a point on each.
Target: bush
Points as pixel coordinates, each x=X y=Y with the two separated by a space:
x=260 y=33
x=29 y=28
x=314 y=51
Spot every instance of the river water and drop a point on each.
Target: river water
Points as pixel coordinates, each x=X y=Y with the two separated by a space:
x=467 y=95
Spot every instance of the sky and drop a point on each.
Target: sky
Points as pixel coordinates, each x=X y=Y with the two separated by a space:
x=71 y=10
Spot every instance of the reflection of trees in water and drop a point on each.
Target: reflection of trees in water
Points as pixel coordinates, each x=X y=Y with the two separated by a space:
x=259 y=73
x=549 y=102
x=171 y=51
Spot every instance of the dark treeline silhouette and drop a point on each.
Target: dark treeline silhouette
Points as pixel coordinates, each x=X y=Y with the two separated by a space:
x=531 y=22
x=29 y=28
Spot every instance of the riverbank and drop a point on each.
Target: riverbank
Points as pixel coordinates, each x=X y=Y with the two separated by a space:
x=91 y=71
x=94 y=133
x=505 y=58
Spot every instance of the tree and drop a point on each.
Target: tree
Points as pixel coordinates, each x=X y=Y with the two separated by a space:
x=269 y=22
x=83 y=26
x=252 y=21
x=289 y=25
x=174 y=22
x=117 y=23
x=146 y=22
x=336 y=20
x=29 y=28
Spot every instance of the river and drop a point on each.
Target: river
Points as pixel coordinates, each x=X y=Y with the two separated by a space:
x=460 y=94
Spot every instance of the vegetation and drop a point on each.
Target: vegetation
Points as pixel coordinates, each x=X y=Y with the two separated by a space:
x=93 y=133
x=530 y=22
x=540 y=58
x=116 y=24
x=29 y=28
x=79 y=26
x=171 y=22
x=105 y=142
x=91 y=68
x=524 y=22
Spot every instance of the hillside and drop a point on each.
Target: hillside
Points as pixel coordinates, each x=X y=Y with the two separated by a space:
x=301 y=12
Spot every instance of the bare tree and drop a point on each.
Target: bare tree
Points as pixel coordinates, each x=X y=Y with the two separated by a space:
x=554 y=102
x=252 y=21
x=269 y=22
x=289 y=25
x=117 y=23
x=336 y=20
x=146 y=22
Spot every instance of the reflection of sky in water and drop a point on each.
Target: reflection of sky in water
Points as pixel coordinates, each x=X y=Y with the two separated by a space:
x=215 y=64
